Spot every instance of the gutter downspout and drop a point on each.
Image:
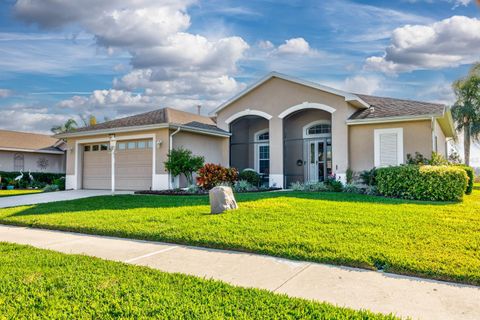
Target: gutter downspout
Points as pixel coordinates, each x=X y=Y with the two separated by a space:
x=170 y=147
x=433 y=134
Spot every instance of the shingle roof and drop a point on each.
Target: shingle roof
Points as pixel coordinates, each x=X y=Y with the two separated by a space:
x=160 y=116
x=27 y=141
x=390 y=107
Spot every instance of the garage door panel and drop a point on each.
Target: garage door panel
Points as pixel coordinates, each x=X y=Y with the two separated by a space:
x=133 y=169
x=96 y=170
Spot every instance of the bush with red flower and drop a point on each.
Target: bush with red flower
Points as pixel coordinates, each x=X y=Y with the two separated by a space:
x=211 y=175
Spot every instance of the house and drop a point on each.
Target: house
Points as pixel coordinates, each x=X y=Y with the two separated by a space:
x=22 y=151
x=285 y=128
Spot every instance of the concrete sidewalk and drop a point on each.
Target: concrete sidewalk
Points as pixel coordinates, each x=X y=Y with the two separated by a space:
x=350 y=287
x=44 y=197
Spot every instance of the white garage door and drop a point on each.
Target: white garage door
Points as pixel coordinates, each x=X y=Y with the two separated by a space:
x=96 y=167
x=133 y=166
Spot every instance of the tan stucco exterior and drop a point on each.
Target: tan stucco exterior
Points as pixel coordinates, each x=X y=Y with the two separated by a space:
x=417 y=137
x=277 y=95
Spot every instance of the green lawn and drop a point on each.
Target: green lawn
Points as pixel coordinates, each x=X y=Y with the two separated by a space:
x=18 y=192
x=433 y=240
x=41 y=284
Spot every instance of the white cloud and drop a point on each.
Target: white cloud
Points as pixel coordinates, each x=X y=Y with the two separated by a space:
x=5 y=93
x=446 y=43
x=362 y=84
x=28 y=118
x=294 y=46
x=167 y=61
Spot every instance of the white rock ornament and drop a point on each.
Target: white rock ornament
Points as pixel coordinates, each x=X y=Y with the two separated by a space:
x=222 y=199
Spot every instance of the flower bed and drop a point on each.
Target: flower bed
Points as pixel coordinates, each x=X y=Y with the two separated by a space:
x=182 y=192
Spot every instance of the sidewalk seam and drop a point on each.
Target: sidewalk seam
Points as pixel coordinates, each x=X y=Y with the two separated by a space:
x=293 y=276
x=150 y=254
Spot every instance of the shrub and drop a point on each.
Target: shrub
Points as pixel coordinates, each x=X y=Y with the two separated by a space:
x=316 y=186
x=471 y=177
x=333 y=184
x=60 y=183
x=51 y=188
x=351 y=188
x=242 y=186
x=211 y=175
x=297 y=186
x=182 y=161
x=349 y=176
x=418 y=159
x=40 y=179
x=251 y=176
x=371 y=191
x=435 y=183
x=368 y=176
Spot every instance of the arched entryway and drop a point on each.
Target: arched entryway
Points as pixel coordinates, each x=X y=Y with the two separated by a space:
x=250 y=145
x=307 y=138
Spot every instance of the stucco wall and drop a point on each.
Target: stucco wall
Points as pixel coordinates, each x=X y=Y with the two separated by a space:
x=441 y=140
x=417 y=137
x=213 y=149
x=56 y=162
x=277 y=95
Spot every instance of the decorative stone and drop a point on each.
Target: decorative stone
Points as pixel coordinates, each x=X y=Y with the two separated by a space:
x=222 y=199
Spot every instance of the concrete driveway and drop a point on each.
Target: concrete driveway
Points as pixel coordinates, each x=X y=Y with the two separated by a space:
x=53 y=196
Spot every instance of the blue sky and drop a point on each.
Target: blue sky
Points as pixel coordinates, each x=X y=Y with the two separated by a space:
x=115 y=58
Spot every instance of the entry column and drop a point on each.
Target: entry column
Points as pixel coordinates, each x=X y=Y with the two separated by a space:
x=276 y=152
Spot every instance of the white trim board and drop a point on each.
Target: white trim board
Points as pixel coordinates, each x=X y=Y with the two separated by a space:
x=248 y=112
x=377 y=133
x=306 y=105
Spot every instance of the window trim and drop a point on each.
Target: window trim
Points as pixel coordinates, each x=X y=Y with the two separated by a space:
x=400 y=146
x=257 y=144
x=307 y=135
x=20 y=157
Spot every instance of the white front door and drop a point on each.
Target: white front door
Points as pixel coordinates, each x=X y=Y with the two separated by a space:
x=319 y=160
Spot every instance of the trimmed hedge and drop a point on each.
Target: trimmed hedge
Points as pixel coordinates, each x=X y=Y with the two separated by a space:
x=434 y=183
x=471 y=177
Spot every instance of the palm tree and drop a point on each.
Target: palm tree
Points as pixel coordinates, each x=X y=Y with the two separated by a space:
x=466 y=110
x=68 y=126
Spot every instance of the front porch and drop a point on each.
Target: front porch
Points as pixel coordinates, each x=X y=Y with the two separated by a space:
x=294 y=148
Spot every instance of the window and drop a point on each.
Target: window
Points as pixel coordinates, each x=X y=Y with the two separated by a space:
x=388 y=147
x=86 y=148
x=141 y=144
x=18 y=162
x=263 y=159
x=322 y=128
x=263 y=136
x=262 y=152
x=95 y=147
x=150 y=144
x=131 y=145
x=122 y=146
x=104 y=147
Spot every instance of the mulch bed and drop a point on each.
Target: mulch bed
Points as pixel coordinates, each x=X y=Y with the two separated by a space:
x=179 y=192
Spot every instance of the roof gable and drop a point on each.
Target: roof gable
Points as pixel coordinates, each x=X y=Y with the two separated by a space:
x=349 y=97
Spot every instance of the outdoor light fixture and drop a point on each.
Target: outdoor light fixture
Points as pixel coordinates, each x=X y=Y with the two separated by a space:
x=113 y=143
x=159 y=143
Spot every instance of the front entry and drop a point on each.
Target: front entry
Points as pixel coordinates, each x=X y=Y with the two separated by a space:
x=319 y=160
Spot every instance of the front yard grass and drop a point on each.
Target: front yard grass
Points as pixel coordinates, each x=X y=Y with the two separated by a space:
x=18 y=192
x=433 y=240
x=42 y=284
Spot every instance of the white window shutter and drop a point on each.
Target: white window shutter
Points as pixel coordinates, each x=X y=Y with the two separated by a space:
x=388 y=147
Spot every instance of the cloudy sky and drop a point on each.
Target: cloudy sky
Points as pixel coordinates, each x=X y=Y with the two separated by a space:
x=113 y=58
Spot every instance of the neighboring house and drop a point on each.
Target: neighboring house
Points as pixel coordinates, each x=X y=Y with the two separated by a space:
x=22 y=151
x=287 y=129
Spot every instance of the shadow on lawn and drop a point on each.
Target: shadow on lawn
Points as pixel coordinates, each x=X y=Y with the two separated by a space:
x=126 y=202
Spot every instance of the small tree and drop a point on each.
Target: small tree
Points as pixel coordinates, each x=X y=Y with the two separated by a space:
x=182 y=161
